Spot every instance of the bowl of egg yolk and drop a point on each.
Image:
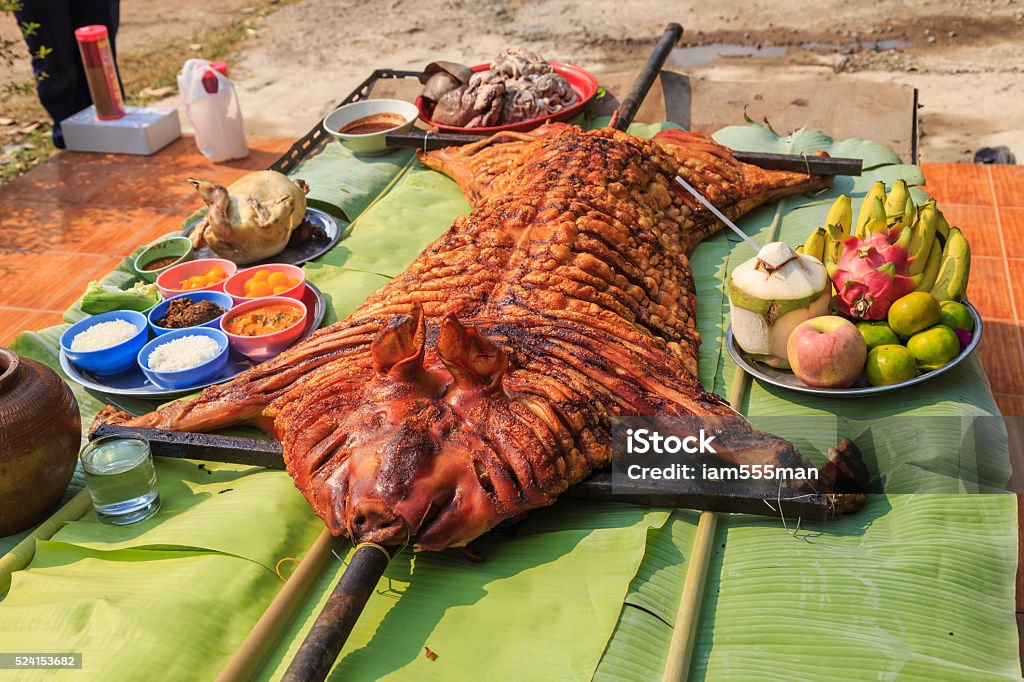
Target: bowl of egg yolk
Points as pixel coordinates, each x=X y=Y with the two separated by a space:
x=275 y=279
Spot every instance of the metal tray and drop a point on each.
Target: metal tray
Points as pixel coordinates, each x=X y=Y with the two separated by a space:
x=786 y=379
x=133 y=383
x=299 y=249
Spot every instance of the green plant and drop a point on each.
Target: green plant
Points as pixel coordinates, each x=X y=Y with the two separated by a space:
x=8 y=50
x=32 y=150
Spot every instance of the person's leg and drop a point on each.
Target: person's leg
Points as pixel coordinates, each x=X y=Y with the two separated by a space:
x=105 y=12
x=60 y=80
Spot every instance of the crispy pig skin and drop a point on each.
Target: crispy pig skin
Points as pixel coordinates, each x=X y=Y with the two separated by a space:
x=480 y=382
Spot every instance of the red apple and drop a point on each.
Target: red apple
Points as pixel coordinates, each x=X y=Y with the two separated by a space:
x=827 y=352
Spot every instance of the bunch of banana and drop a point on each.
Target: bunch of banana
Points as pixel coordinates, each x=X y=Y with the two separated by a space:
x=871 y=208
x=954 y=268
x=939 y=256
x=815 y=244
x=938 y=253
x=837 y=230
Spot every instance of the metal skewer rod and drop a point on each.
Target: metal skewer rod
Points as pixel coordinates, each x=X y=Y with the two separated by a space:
x=797 y=163
x=645 y=79
x=324 y=641
x=721 y=216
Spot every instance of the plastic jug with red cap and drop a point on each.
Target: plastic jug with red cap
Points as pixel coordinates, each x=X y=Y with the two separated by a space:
x=211 y=104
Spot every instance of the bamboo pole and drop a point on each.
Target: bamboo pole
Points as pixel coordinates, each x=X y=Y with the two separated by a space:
x=22 y=553
x=684 y=634
x=267 y=632
x=684 y=629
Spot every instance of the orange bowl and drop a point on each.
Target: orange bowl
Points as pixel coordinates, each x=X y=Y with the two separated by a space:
x=265 y=346
x=169 y=281
x=234 y=286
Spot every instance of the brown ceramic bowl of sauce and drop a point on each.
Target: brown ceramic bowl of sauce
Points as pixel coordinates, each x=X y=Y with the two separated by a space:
x=362 y=126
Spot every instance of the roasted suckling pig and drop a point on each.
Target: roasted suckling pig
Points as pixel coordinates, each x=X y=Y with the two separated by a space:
x=480 y=382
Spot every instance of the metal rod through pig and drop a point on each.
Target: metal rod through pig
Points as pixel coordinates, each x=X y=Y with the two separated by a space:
x=721 y=216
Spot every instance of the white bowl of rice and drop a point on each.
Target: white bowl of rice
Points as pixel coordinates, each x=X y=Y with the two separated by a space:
x=185 y=357
x=107 y=343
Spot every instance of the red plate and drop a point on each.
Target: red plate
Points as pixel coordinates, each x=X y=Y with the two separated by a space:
x=582 y=81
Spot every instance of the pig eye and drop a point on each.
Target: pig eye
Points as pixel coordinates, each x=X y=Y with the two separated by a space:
x=377 y=420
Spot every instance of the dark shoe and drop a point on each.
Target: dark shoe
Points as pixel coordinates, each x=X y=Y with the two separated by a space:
x=995 y=155
x=58 y=136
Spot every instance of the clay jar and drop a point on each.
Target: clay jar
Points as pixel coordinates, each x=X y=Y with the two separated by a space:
x=40 y=432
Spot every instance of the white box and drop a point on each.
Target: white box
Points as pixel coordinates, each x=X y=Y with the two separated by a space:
x=142 y=130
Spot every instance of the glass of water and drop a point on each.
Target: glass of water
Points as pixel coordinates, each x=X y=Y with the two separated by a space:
x=121 y=478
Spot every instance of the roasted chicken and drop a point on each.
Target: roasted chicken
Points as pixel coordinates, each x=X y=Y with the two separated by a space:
x=480 y=382
x=253 y=218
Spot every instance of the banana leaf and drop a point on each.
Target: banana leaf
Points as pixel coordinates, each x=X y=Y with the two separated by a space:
x=133 y=614
x=343 y=183
x=540 y=606
x=169 y=597
x=392 y=232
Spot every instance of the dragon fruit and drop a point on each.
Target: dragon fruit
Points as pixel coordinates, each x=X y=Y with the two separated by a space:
x=870 y=275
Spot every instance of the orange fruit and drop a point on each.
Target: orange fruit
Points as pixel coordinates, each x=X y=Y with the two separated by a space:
x=934 y=347
x=281 y=289
x=889 y=364
x=261 y=275
x=914 y=312
x=956 y=316
x=277 y=279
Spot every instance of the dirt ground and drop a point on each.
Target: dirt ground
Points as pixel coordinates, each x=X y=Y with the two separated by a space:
x=293 y=61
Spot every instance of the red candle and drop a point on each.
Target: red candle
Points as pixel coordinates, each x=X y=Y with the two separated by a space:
x=100 y=71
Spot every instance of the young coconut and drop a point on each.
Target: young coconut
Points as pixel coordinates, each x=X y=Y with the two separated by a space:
x=770 y=295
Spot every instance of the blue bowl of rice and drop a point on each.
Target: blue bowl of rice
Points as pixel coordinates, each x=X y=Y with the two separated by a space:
x=107 y=343
x=183 y=358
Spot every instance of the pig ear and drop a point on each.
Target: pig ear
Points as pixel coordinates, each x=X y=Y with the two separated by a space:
x=471 y=358
x=399 y=345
